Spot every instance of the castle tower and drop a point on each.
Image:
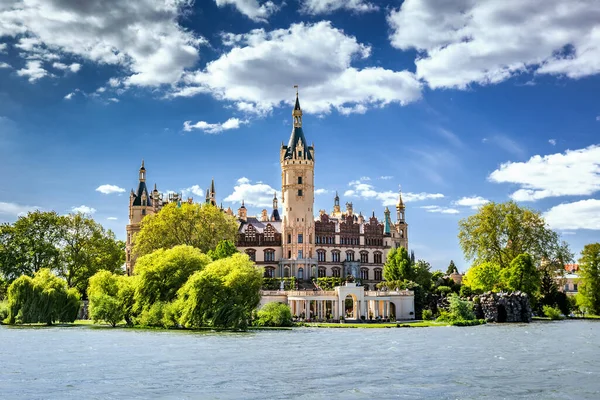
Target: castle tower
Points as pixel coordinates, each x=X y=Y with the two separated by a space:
x=401 y=225
x=212 y=195
x=275 y=214
x=243 y=212
x=141 y=203
x=297 y=194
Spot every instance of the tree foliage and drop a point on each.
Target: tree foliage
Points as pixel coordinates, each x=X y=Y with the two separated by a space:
x=499 y=232
x=398 y=266
x=44 y=298
x=161 y=274
x=110 y=297
x=198 y=225
x=274 y=314
x=225 y=248
x=484 y=277
x=222 y=295
x=451 y=268
x=589 y=283
x=522 y=275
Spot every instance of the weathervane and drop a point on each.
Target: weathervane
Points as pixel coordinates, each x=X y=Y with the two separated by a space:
x=296 y=87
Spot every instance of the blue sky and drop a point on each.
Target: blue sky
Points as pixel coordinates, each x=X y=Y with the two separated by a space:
x=457 y=102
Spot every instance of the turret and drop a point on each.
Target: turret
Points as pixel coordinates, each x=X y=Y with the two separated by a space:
x=242 y=212
x=142 y=173
x=275 y=214
x=400 y=208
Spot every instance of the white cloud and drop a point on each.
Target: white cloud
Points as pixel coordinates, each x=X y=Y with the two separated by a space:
x=5 y=65
x=364 y=178
x=386 y=177
x=322 y=191
x=73 y=67
x=14 y=209
x=196 y=190
x=231 y=123
x=142 y=37
x=252 y=8
x=487 y=41
x=598 y=118
x=258 y=72
x=552 y=142
x=387 y=198
x=109 y=189
x=584 y=214
x=315 y=7
x=70 y=95
x=84 y=210
x=112 y=218
x=3 y=47
x=33 y=70
x=113 y=99
x=474 y=202
x=576 y=172
x=440 y=210
x=254 y=195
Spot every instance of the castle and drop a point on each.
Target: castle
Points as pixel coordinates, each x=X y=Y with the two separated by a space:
x=296 y=244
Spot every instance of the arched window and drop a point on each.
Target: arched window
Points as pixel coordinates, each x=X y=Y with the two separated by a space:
x=378 y=274
x=377 y=257
x=321 y=255
x=350 y=255
x=364 y=273
x=269 y=272
x=322 y=272
x=300 y=273
x=269 y=255
x=286 y=272
x=252 y=254
x=336 y=271
x=364 y=257
x=335 y=256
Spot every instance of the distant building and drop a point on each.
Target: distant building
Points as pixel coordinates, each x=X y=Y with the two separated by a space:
x=571 y=279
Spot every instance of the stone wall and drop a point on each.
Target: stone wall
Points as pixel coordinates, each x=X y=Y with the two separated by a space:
x=503 y=307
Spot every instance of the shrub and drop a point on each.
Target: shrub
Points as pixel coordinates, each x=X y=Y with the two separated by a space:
x=3 y=310
x=459 y=310
x=552 y=312
x=427 y=315
x=274 y=314
x=444 y=289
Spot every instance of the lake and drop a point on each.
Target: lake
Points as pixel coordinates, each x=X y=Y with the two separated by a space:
x=541 y=360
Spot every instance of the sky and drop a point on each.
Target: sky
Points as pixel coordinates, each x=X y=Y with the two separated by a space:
x=455 y=102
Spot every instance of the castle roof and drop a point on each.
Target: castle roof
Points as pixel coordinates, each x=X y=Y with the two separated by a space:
x=137 y=201
x=296 y=137
x=258 y=225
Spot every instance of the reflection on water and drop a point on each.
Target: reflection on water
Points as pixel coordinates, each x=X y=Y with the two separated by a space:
x=558 y=360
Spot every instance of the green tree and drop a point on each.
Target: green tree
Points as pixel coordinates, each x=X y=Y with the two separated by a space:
x=499 y=232
x=44 y=298
x=222 y=295
x=451 y=268
x=201 y=226
x=274 y=314
x=422 y=274
x=484 y=277
x=589 y=283
x=110 y=297
x=398 y=266
x=225 y=248
x=522 y=275
x=458 y=310
x=161 y=274
x=30 y=244
x=86 y=249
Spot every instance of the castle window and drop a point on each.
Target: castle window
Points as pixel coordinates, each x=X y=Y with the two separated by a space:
x=299 y=192
x=377 y=258
x=349 y=256
x=289 y=238
x=378 y=274
x=269 y=255
x=143 y=212
x=289 y=254
x=300 y=273
x=300 y=238
x=269 y=272
x=335 y=272
x=300 y=255
x=322 y=272
x=364 y=273
x=250 y=233
x=364 y=258
x=335 y=256
x=269 y=233
x=299 y=180
x=321 y=255
x=299 y=156
x=252 y=254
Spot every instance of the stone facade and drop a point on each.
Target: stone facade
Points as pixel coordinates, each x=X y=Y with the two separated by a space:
x=503 y=307
x=334 y=244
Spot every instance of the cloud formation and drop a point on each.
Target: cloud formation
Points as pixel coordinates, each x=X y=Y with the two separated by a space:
x=440 y=210
x=474 y=202
x=315 y=7
x=387 y=198
x=253 y=194
x=572 y=173
x=109 y=189
x=584 y=214
x=257 y=73
x=488 y=41
x=84 y=210
x=14 y=209
x=258 y=12
x=143 y=37
x=231 y=123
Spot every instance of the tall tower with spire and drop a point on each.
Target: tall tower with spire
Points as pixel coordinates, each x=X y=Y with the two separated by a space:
x=141 y=203
x=401 y=234
x=297 y=195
